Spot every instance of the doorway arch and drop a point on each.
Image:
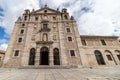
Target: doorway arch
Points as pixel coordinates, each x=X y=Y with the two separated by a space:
x=99 y=57
x=32 y=56
x=56 y=56
x=44 y=56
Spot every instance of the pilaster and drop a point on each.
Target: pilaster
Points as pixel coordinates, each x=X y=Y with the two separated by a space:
x=51 y=60
x=37 y=56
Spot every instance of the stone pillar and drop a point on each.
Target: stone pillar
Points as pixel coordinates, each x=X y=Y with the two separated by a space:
x=62 y=37
x=51 y=56
x=37 y=56
x=25 y=58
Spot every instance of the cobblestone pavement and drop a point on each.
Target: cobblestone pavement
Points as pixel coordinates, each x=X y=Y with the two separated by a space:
x=100 y=73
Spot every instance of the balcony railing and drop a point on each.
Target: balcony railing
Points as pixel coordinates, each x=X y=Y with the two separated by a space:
x=45 y=30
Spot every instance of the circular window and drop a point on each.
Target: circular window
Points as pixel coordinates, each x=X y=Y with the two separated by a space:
x=45 y=11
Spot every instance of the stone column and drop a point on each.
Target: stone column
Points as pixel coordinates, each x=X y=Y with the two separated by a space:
x=51 y=55
x=37 y=56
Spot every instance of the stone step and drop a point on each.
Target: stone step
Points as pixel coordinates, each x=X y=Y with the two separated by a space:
x=47 y=67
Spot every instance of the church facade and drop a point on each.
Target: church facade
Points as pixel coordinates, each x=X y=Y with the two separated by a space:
x=50 y=37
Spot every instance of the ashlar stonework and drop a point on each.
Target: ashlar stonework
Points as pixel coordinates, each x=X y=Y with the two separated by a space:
x=50 y=37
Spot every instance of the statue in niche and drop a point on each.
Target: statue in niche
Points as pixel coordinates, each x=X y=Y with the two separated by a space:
x=45 y=37
x=54 y=27
x=45 y=17
x=54 y=37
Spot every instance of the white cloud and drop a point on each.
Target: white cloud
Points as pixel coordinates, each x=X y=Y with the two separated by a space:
x=3 y=46
x=102 y=17
x=109 y=11
x=89 y=21
x=3 y=41
x=13 y=9
x=56 y=3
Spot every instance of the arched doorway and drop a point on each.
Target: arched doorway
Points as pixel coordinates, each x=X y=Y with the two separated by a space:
x=56 y=56
x=99 y=58
x=32 y=56
x=44 y=56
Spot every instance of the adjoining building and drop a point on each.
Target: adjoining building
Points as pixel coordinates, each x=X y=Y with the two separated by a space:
x=51 y=37
x=2 y=55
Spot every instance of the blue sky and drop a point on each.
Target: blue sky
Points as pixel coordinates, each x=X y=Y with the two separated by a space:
x=94 y=17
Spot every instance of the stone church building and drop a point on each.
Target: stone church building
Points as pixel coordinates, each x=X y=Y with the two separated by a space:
x=51 y=37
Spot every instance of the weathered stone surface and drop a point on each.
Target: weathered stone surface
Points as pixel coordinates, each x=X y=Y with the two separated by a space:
x=45 y=30
x=96 y=73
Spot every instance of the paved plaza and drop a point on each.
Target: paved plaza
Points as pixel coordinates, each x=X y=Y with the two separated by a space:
x=83 y=73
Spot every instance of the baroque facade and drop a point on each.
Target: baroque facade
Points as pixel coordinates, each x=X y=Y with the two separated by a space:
x=51 y=37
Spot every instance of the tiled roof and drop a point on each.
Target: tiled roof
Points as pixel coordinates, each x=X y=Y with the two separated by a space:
x=2 y=52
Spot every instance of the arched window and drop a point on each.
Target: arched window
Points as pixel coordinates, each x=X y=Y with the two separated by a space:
x=99 y=57
x=117 y=52
x=110 y=56
x=56 y=56
x=32 y=56
x=65 y=17
x=25 y=18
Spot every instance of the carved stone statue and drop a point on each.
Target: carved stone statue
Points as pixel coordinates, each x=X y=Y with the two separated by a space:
x=45 y=37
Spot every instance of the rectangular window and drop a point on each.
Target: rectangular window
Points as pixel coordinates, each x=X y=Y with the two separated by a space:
x=72 y=52
x=69 y=38
x=103 y=42
x=83 y=42
x=118 y=57
x=68 y=29
x=45 y=26
x=109 y=57
x=20 y=40
x=36 y=18
x=22 y=31
x=16 y=53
